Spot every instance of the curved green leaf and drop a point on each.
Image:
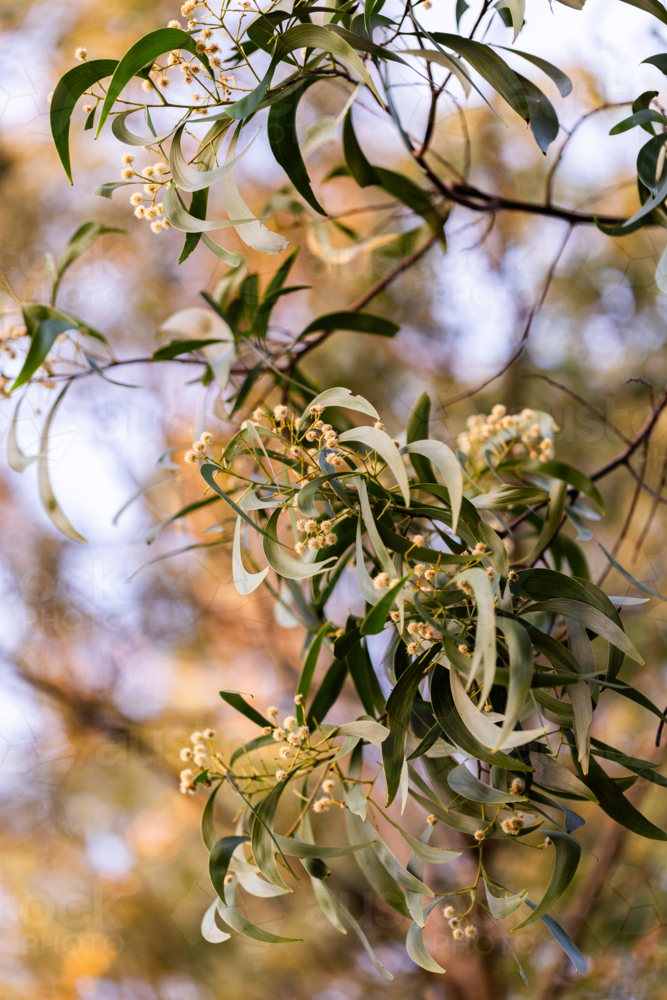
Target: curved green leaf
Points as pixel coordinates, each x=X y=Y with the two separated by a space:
x=358 y=931
x=568 y=474
x=550 y=774
x=121 y=131
x=46 y=493
x=209 y=929
x=447 y=695
x=190 y=178
x=235 y=919
x=568 y=852
x=615 y=804
x=463 y=782
x=380 y=442
x=281 y=131
x=543 y=118
x=489 y=65
x=561 y=79
x=651 y=7
x=414 y=945
x=356 y=321
x=219 y=859
x=68 y=90
x=234 y=699
x=502 y=907
x=143 y=54
x=590 y=618
x=399 y=709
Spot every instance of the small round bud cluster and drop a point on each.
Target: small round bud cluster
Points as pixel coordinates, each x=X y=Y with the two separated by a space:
x=479 y=836
x=431 y=820
x=520 y=434
x=517 y=786
x=318 y=535
x=198 y=449
x=81 y=53
x=280 y=774
x=187 y=785
x=512 y=826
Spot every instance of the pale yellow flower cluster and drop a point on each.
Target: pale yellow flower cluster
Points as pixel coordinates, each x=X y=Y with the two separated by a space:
x=520 y=434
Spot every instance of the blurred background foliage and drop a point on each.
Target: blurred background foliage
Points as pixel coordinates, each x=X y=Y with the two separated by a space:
x=102 y=872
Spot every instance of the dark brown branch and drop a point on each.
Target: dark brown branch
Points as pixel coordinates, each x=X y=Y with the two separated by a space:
x=589 y=406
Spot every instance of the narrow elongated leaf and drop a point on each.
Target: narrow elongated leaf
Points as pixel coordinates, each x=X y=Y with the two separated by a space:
x=236 y=701
x=121 y=131
x=628 y=576
x=376 y=619
x=372 y=529
x=450 y=63
x=568 y=474
x=189 y=178
x=562 y=80
x=244 y=581
x=68 y=90
x=491 y=66
x=580 y=694
x=557 y=497
x=543 y=118
x=563 y=938
x=339 y=396
x=504 y=906
x=415 y=947
x=521 y=675
x=253 y=233
x=651 y=7
x=373 y=732
x=445 y=688
x=181 y=219
x=264 y=841
x=370 y=593
x=208 y=834
x=483 y=728
x=247 y=748
x=281 y=131
x=592 y=619
x=236 y=920
x=209 y=929
x=308 y=670
x=568 y=852
x=46 y=493
x=380 y=442
x=485 y=635
x=15 y=457
x=42 y=340
x=218 y=862
x=144 y=53
x=399 y=709
x=446 y=463
x=551 y=774
x=372 y=868
x=327 y=693
x=357 y=321
x=301 y=849
x=463 y=782
x=615 y=804
x=358 y=931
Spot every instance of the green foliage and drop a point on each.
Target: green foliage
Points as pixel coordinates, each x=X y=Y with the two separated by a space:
x=469 y=644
